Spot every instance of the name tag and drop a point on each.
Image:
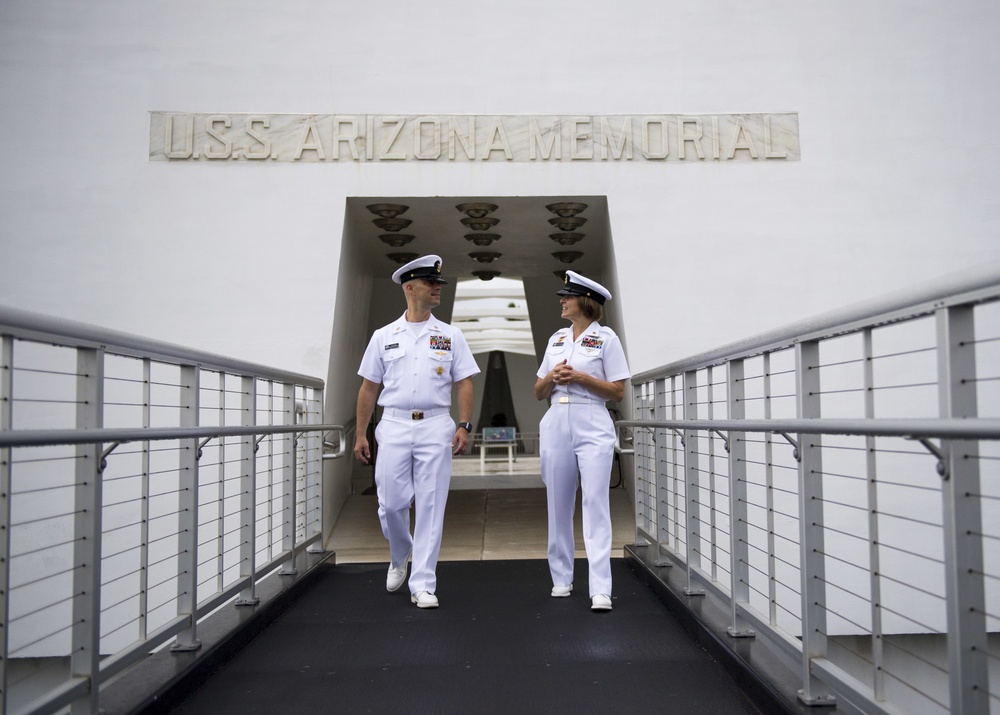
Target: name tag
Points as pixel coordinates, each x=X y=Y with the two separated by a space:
x=393 y=346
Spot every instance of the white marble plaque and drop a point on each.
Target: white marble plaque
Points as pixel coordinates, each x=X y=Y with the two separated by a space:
x=333 y=138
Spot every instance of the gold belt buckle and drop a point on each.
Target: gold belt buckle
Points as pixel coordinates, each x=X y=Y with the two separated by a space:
x=563 y=400
x=417 y=415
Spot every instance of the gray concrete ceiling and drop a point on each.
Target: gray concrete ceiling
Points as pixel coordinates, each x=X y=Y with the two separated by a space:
x=522 y=223
x=526 y=247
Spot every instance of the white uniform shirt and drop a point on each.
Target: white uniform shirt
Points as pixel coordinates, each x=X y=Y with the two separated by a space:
x=417 y=372
x=597 y=352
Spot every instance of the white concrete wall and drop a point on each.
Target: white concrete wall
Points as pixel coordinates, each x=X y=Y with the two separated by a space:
x=898 y=106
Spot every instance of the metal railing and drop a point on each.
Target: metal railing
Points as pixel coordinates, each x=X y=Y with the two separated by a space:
x=143 y=485
x=836 y=485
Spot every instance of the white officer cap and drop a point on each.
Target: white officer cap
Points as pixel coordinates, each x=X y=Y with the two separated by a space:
x=426 y=267
x=575 y=284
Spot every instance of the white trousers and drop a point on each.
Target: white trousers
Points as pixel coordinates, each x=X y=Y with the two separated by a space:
x=578 y=439
x=413 y=466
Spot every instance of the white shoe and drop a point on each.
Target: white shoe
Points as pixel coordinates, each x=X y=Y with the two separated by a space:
x=561 y=591
x=600 y=602
x=424 y=599
x=396 y=576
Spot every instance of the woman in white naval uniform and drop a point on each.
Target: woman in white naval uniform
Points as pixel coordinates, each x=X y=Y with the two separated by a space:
x=417 y=358
x=583 y=367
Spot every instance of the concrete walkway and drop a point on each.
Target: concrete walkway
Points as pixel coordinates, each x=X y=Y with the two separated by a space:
x=493 y=515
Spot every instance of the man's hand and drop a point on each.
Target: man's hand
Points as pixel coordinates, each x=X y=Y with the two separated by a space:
x=361 y=451
x=460 y=442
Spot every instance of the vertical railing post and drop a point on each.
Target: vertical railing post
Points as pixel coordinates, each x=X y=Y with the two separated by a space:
x=272 y=441
x=85 y=657
x=314 y=472
x=6 y=423
x=638 y=410
x=647 y=511
x=677 y=458
x=871 y=474
x=739 y=537
x=187 y=518
x=147 y=422
x=692 y=508
x=248 y=493
x=811 y=546
x=659 y=483
x=772 y=579
x=220 y=488
x=712 y=477
x=968 y=670
x=288 y=477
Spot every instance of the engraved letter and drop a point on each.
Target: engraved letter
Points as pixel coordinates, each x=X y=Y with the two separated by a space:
x=496 y=141
x=468 y=140
x=219 y=137
x=168 y=138
x=397 y=125
x=579 y=131
x=309 y=130
x=550 y=149
x=647 y=140
x=769 y=152
x=369 y=137
x=262 y=138
x=683 y=137
x=745 y=143
x=418 y=151
x=350 y=138
x=620 y=147
x=715 y=138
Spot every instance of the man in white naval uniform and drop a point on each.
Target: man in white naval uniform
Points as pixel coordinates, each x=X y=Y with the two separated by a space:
x=583 y=366
x=416 y=359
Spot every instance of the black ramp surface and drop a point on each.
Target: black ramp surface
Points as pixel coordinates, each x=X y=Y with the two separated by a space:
x=498 y=644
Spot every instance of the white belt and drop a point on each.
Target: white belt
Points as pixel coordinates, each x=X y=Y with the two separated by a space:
x=415 y=414
x=576 y=400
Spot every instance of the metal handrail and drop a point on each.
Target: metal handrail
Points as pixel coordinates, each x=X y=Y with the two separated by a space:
x=59 y=331
x=969 y=286
x=292 y=490
x=944 y=428
x=44 y=438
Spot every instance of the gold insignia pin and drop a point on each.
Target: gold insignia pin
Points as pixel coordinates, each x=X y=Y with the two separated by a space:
x=440 y=370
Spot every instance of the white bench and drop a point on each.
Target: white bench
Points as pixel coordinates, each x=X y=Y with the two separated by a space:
x=494 y=437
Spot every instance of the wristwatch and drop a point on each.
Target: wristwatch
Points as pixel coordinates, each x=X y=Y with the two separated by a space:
x=467 y=426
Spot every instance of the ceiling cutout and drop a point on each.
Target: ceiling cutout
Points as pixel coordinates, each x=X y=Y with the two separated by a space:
x=392 y=224
x=566 y=239
x=570 y=223
x=565 y=209
x=476 y=210
x=486 y=275
x=387 y=210
x=567 y=256
x=396 y=240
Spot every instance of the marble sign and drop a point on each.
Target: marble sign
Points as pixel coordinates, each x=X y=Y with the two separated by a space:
x=312 y=138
